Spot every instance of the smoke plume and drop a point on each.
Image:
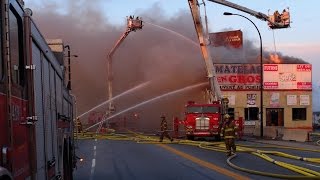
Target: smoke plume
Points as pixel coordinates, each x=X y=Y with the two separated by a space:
x=152 y=54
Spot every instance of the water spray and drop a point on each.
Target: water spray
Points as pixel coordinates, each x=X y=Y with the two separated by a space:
x=174 y=32
x=150 y=100
x=116 y=97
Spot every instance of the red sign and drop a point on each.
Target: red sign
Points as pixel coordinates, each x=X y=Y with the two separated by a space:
x=228 y=39
x=270 y=68
x=304 y=67
x=239 y=79
x=304 y=85
x=270 y=85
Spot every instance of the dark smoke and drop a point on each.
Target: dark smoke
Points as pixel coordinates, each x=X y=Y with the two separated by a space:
x=249 y=53
x=150 y=54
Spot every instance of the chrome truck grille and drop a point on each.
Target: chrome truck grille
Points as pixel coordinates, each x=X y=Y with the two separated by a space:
x=202 y=123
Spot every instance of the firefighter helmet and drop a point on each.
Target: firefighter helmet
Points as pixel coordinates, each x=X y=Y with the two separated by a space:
x=226 y=116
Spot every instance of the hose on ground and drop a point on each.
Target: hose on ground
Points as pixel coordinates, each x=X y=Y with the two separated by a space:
x=281 y=176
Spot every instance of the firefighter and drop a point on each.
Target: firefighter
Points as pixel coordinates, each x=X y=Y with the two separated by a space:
x=229 y=132
x=79 y=125
x=164 y=127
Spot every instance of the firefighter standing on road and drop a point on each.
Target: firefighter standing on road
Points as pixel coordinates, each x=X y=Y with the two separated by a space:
x=228 y=131
x=164 y=127
x=79 y=125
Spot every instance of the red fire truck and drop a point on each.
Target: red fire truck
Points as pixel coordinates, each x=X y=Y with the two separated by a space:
x=205 y=120
x=36 y=107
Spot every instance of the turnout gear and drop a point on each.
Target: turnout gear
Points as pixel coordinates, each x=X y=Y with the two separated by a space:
x=164 y=127
x=78 y=125
x=228 y=131
x=226 y=116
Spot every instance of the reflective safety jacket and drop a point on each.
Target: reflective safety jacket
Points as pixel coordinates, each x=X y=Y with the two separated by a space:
x=228 y=130
x=164 y=125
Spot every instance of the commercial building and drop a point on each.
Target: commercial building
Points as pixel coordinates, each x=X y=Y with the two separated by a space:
x=287 y=97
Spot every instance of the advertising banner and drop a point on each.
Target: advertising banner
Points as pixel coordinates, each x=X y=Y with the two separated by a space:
x=287 y=76
x=232 y=99
x=291 y=100
x=228 y=39
x=275 y=99
x=238 y=77
x=251 y=100
x=304 y=100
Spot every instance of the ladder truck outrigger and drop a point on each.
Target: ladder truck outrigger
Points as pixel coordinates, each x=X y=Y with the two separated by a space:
x=205 y=120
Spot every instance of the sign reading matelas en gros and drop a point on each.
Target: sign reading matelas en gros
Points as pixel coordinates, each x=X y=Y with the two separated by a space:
x=287 y=76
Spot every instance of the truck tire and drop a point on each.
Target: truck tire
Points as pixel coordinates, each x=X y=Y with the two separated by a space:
x=190 y=138
x=217 y=137
x=5 y=178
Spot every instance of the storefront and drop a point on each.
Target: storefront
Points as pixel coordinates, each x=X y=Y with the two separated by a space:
x=287 y=95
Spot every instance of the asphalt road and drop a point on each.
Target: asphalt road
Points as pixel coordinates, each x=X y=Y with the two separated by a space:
x=128 y=160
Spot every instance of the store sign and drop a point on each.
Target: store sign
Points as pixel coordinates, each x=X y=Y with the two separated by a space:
x=238 y=76
x=251 y=100
x=287 y=76
x=291 y=100
x=275 y=99
x=231 y=98
x=227 y=39
x=304 y=100
x=249 y=123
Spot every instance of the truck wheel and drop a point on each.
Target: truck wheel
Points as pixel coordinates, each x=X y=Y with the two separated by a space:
x=217 y=137
x=5 y=178
x=190 y=138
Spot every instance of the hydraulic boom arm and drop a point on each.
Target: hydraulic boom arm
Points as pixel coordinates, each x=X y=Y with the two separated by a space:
x=133 y=24
x=193 y=4
x=274 y=23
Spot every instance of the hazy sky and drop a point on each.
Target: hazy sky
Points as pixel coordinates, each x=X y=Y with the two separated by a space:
x=301 y=40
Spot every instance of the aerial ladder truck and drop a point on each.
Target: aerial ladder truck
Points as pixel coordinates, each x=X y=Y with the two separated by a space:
x=133 y=24
x=206 y=124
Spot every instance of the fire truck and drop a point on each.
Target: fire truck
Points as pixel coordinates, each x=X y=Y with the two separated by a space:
x=206 y=119
x=36 y=107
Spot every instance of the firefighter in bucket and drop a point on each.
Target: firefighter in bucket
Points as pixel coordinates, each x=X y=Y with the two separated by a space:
x=229 y=133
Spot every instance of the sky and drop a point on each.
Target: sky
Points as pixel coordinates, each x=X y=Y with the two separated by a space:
x=301 y=40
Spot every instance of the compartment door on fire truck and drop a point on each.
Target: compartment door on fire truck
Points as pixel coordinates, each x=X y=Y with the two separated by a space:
x=20 y=136
x=39 y=112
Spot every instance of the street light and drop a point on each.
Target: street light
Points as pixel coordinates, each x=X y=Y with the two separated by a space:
x=261 y=71
x=69 y=66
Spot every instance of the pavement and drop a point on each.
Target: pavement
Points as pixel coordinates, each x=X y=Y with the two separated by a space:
x=279 y=142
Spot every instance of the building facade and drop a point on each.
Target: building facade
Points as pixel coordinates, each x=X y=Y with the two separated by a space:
x=287 y=96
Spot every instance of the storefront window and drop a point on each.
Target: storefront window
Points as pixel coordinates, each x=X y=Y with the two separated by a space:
x=251 y=113
x=299 y=114
x=231 y=112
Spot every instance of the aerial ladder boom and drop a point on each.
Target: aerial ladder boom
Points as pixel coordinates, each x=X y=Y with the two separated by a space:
x=193 y=4
x=273 y=22
x=133 y=24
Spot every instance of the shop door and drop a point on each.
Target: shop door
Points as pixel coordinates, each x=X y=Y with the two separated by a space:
x=275 y=116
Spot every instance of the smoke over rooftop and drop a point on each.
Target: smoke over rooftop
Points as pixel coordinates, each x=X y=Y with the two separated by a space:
x=169 y=61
